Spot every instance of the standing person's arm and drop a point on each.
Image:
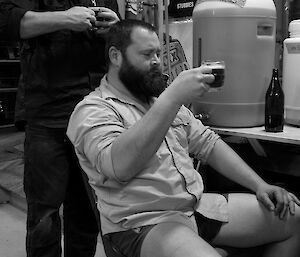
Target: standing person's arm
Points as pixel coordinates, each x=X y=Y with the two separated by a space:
x=20 y=22
x=77 y=18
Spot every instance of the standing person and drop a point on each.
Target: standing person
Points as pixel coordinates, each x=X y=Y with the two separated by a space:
x=62 y=57
x=135 y=139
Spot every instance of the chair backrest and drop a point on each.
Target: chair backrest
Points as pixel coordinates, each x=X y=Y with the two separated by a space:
x=109 y=248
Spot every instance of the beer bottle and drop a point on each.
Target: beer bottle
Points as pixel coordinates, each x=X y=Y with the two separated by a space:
x=274 y=105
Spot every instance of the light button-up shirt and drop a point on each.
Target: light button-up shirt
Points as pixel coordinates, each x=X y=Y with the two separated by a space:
x=167 y=189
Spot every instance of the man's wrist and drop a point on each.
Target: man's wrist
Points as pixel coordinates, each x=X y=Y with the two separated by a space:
x=172 y=97
x=259 y=185
x=61 y=20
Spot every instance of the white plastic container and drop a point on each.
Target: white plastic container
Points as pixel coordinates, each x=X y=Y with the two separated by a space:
x=243 y=37
x=291 y=74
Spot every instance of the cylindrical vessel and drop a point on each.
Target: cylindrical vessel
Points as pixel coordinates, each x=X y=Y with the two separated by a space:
x=243 y=37
x=291 y=74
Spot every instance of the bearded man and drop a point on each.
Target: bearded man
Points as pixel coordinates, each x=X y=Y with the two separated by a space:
x=134 y=139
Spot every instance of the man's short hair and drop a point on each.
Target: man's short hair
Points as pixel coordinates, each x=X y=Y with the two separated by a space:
x=119 y=35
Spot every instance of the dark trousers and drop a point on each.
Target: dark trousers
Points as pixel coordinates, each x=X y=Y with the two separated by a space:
x=52 y=177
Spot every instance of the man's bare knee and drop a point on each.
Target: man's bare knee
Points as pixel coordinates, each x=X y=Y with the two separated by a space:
x=295 y=222
x=175 y=240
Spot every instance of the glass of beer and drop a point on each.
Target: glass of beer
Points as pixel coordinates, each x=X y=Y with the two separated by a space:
x=218 y=70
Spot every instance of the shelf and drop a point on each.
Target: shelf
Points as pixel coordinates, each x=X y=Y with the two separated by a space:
x=290 y=134
x=10 y=61
x=10 y=70
x=7 y=90
x=7 y=126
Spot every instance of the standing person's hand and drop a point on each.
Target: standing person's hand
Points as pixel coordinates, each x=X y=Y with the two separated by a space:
x=80 y=18
x=105 y=18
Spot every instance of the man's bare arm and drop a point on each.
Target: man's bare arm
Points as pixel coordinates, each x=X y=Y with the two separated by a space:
x=133 y=148
x=38 y=23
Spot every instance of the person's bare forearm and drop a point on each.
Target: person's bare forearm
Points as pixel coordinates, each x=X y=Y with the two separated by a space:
x=38 y=23
x=227 y=162
x=77 y=18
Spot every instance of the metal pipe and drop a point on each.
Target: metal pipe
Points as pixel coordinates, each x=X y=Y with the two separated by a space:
x=160 y=18
x=167 y=36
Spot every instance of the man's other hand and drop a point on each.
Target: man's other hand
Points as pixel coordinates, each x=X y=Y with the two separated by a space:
x=277 y=199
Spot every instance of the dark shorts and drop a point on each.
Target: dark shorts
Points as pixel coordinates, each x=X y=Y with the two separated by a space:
x=129 y=242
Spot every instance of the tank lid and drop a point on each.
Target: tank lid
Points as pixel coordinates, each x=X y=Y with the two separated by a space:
x=226 y=8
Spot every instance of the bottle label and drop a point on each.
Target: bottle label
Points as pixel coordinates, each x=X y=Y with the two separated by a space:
x=293 y=48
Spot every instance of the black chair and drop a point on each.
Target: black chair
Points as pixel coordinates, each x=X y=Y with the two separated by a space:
x=109 y=248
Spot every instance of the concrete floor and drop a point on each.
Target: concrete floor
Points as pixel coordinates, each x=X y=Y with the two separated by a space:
x=12 y=198
x=13 y=230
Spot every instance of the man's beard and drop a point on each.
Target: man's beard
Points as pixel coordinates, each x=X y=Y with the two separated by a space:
x=142 y=84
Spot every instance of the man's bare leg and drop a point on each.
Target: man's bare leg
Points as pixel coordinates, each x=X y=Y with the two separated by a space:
x=175 y=240
x=251 y=224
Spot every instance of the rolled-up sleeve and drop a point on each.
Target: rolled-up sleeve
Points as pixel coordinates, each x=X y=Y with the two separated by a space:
x=10 y=19
x=92 y=129
x=201 y=139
